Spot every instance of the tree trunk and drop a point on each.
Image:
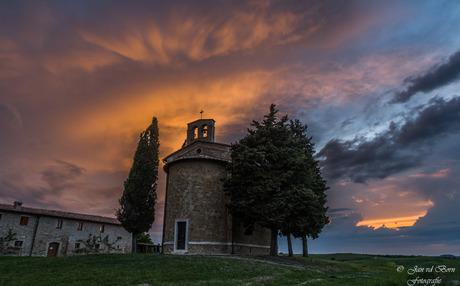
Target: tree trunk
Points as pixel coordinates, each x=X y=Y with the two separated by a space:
x=304 y=246
x=289 y=245
x=134 y=243
x=274 y=243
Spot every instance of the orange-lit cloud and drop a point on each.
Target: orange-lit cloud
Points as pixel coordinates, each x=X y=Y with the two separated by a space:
x=395 y=223
x=198 y=37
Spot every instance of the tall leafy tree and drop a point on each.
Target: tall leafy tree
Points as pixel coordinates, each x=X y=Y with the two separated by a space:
x=260 y=172
x=306 y=197
x=275 y=181
x=137 y=204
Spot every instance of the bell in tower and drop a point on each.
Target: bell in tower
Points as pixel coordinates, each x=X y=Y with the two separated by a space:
x=201 y=129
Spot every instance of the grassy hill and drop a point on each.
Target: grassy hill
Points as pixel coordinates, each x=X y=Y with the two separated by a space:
x=331 y=269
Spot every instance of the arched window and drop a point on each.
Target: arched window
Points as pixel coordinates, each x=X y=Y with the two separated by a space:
x=195 y=132
x=205 y=131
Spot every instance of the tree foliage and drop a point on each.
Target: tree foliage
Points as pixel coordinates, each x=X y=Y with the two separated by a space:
x=306 y=194
x=5 y=247
x=137 y=204
x=275 y=182
x=144 y=237
x=94 y=242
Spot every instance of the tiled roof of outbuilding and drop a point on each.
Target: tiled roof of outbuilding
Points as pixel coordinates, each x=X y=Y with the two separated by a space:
x=60 y=214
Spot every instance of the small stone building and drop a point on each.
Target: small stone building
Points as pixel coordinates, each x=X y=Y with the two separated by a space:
x=38 y=232
x=196 y=219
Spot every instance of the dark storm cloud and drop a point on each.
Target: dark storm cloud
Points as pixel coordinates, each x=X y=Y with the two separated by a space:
x=360 y=160
x=394 y=150
x=436 y=77
x=58 y=176
x=441 y=189
x=438 y=118
x=440 y=226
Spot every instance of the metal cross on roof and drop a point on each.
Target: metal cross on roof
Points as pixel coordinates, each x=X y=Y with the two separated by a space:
x=201 y=113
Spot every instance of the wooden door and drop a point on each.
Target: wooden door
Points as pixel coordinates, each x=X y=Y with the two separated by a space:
x=53 y=249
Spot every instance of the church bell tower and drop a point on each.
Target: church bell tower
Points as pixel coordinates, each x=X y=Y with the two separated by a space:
x=196 y=219
x=201 y=129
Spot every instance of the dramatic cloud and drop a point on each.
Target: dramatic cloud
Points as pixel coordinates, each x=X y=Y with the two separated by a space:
x=59 y=176
x=79 y=81
x=436 y=77
x=394 y=150
x=429 y=238
x=434 y=233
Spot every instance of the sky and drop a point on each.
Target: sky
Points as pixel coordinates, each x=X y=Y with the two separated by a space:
x=376 y=82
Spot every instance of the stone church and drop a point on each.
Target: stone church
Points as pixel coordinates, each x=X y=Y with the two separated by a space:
x=196 y=219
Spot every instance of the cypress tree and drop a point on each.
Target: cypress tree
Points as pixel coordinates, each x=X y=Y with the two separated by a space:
x=137 y=204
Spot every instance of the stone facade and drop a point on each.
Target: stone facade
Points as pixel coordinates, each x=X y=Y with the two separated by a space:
x=37 y=232
x=196 y=218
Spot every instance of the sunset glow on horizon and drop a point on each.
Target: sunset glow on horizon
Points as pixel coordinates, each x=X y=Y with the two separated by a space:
x=375 y=81
x=394 y=223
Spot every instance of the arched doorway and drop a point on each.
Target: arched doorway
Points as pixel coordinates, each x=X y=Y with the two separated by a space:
x=53 y=249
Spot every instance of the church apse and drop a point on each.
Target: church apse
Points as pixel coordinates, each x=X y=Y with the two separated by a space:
x=196 y=218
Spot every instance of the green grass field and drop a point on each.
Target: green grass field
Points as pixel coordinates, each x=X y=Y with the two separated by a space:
x=331 y=269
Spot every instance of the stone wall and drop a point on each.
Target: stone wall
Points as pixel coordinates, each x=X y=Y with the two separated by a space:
x=195 y=193
x=24 y=233
x=113 y=239
x=256 y=243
